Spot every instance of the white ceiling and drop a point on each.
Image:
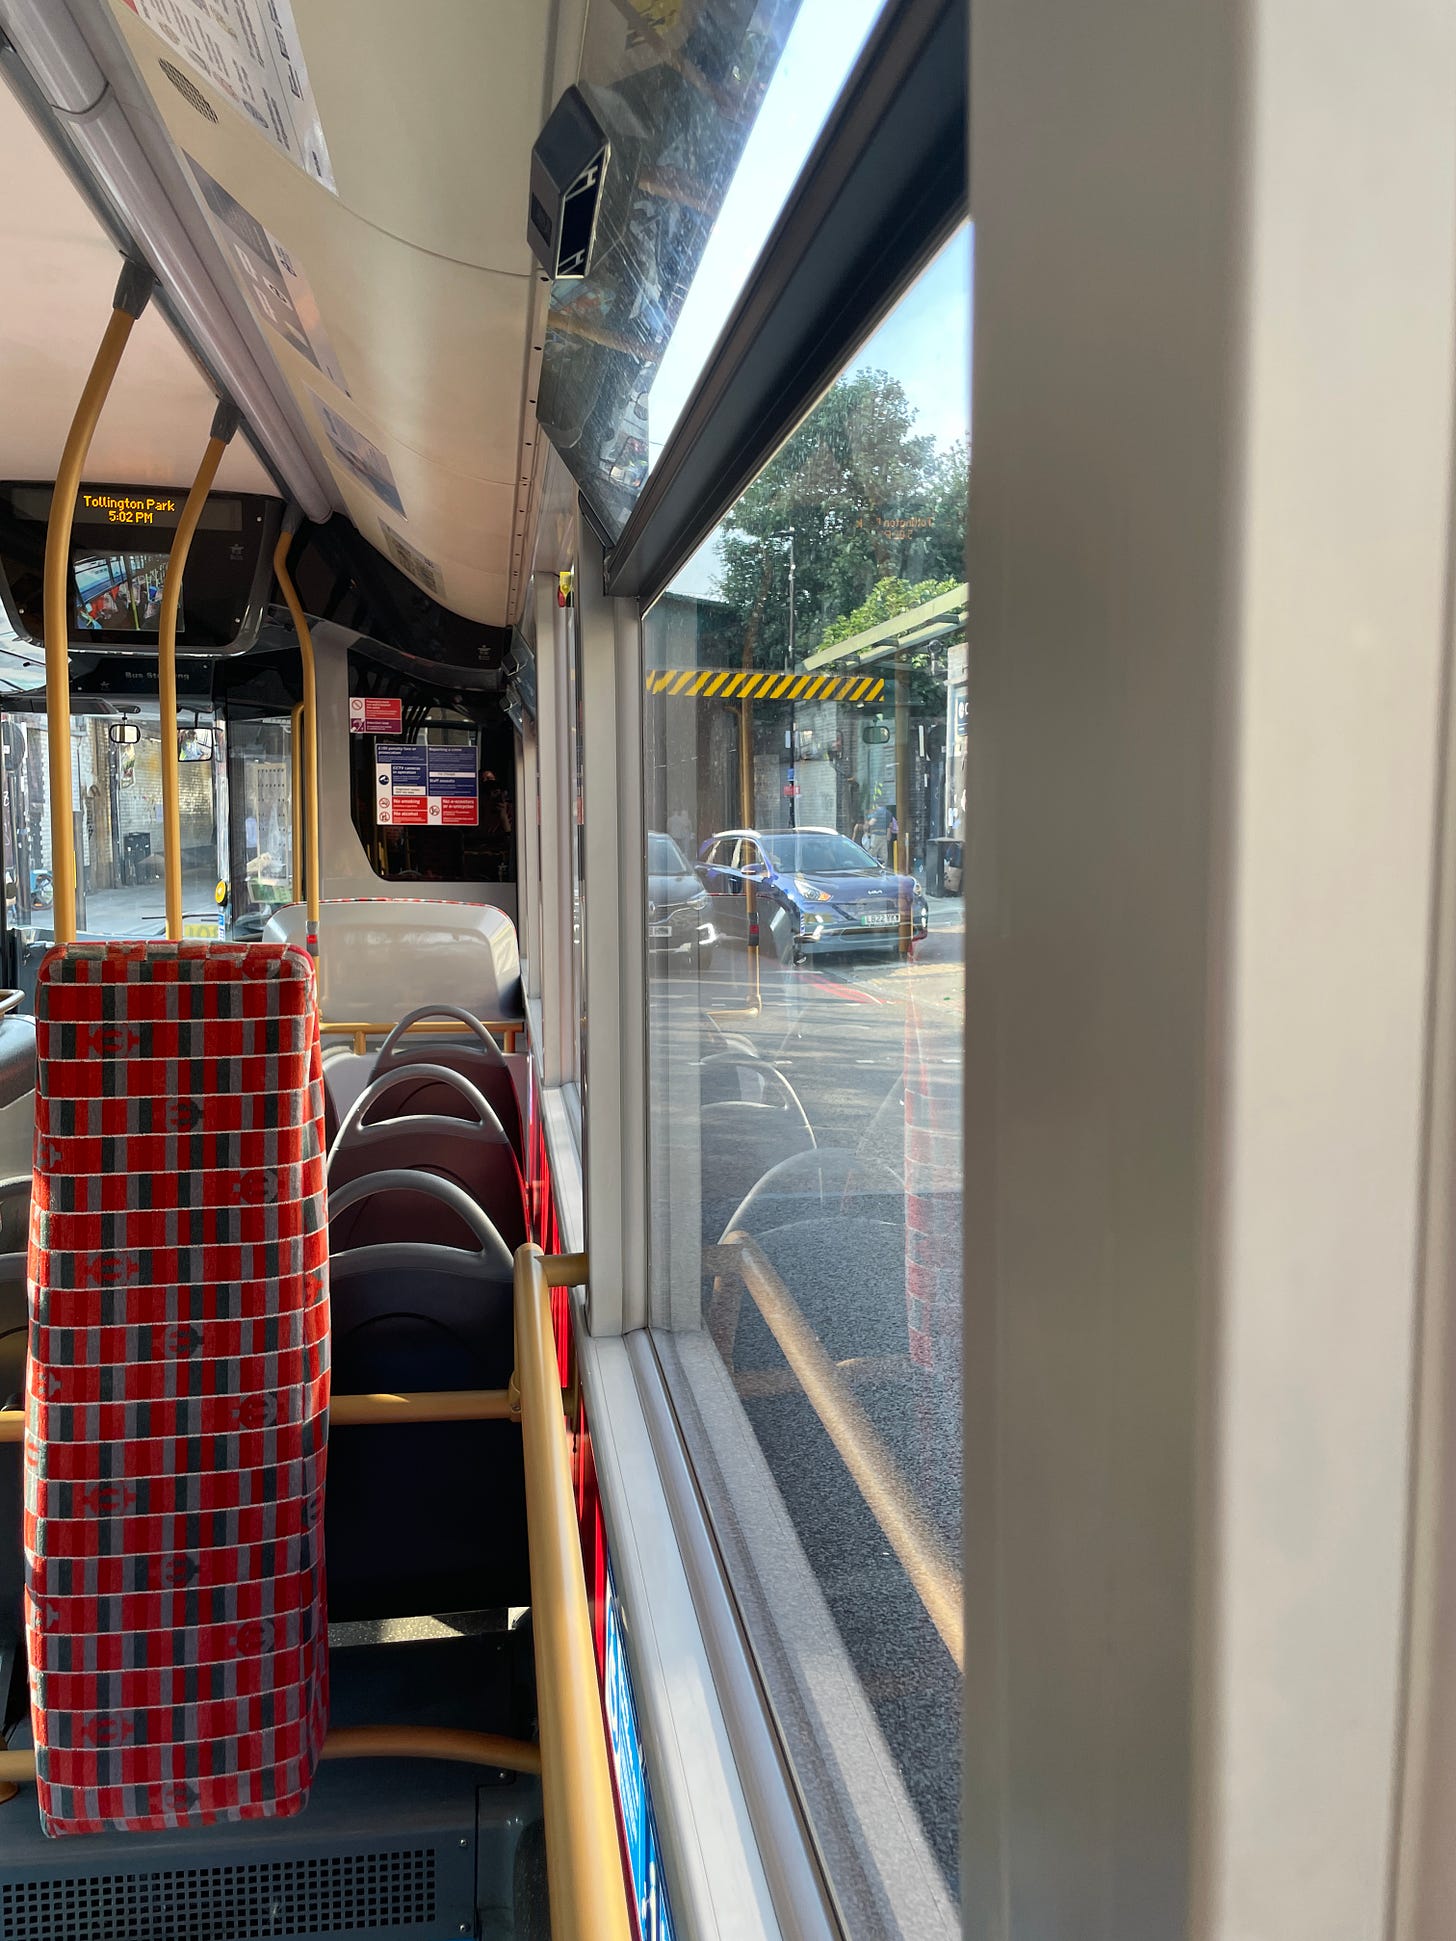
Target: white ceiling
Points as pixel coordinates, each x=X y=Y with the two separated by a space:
x=59 y=273
x=419 y=267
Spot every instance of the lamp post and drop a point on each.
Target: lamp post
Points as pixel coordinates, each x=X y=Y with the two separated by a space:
x=793 y=784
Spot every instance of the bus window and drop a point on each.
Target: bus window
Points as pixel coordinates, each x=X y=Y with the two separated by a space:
x=116 y=823
x=432 y=797
x=804 y=740
x=260 y=823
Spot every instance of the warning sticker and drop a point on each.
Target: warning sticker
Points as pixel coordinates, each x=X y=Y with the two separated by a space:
x=250 y=51
x=425 y=786
x=276 y=287
x=454 y=788
x=375 y=714
x=400 y=773
x=409 y=561
x=359 y=455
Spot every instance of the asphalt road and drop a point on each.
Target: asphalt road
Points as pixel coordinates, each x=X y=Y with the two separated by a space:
x=840 y=1030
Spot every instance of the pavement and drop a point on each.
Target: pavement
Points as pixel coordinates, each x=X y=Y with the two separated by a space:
x=138 y=911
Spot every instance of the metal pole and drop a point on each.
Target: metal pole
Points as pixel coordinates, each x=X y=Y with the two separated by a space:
x=310 y=731
x=224 y=424
x=583 y=1854
x=133 y=291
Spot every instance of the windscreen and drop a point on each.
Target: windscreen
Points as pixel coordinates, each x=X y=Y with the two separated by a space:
x=664 y=858
x=818 y=852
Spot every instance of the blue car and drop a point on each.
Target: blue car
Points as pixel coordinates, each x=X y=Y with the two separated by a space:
x=814 y=891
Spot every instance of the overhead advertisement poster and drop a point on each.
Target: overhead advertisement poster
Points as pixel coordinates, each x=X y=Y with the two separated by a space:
x=250 y=51
x=358 y=455
x=276 y=287
x=425 y=787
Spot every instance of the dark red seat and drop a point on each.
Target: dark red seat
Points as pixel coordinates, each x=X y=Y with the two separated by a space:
x=477 y=1057
x=177 y=1387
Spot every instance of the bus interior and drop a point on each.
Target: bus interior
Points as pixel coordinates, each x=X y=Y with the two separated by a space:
x=382 y=888
x=725 y=1145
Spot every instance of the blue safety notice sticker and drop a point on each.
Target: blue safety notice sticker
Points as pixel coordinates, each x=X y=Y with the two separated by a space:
x=644 y=1848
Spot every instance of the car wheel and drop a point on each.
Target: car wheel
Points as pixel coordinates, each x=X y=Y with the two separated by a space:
x=798 y=956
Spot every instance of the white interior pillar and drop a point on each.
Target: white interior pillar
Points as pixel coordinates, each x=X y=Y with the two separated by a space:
x=1210 y=536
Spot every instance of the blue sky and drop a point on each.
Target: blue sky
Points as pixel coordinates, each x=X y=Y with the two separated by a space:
x=924 y=342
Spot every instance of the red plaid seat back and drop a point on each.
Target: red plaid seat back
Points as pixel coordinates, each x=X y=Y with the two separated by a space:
x=177 y=1386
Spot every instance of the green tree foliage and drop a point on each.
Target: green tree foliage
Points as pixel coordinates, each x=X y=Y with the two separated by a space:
x=888 y=598
x=867 y=501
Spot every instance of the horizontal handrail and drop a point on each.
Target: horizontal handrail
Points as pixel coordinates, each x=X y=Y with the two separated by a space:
x=439 y=1405
x=375 y=1742
x=875 y=1471
x=508 y=1030
x=583 y=1855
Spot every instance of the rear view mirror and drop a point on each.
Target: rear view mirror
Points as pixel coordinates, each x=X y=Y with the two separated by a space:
x=124 y=734
x=194 y=745
x=875 y=734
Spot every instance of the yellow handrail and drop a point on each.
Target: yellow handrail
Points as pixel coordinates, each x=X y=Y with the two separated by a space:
x=451 y=1742
x=875 y=1471
x=310 y=735
x=509 y=1029
x=295 y=756
x=224 y=424
x=132 y=293
x=583 y=1855
x=421 y=1405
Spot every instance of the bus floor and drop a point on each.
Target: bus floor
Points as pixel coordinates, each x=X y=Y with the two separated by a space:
x=421 y=1845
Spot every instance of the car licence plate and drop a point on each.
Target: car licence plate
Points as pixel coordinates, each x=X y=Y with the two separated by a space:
x=885 y=916
x=659 y=929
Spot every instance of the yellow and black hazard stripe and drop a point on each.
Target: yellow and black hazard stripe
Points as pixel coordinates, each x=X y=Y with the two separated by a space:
x=722 y=684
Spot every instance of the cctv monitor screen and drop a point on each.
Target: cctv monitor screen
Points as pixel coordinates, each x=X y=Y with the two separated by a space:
x=121 y=537
x=121 y=593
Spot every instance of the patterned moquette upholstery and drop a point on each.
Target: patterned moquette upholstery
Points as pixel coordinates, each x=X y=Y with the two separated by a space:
x=177 y=1386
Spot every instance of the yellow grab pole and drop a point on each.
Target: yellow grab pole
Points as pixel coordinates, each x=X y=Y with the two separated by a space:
x=310 y=735
x=224 y=424
x=132 y=293
x=583 y=1856
x=295 y=756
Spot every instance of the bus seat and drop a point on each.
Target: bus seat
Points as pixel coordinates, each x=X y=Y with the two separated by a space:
x=14 y=1329
x=420 y=1317
x=15 y=1209
x=17 y=1091
x=478 y=1157
x=382 y=955
x=478 y=1058
x=177 y=1387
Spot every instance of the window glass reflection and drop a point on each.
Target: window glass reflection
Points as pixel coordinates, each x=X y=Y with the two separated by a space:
x=711 y=110
x=805 y=749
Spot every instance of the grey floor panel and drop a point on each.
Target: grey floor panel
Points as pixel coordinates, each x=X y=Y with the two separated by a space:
x=417 y=1847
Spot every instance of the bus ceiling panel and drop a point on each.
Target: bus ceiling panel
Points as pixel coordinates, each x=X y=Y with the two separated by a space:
x=428 y=349
x=474 y=581
x=410 y=369
x=60 y=277
x=118 y=179
x=885 y=184
x=430 y=113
